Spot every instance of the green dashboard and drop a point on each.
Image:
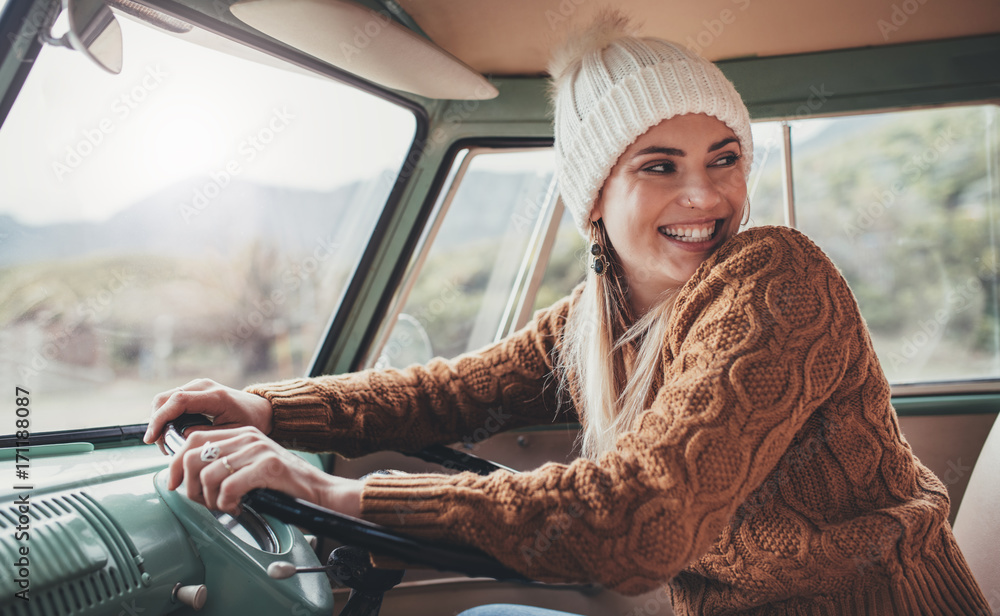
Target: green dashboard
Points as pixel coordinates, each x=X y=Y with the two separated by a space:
x=95 y=531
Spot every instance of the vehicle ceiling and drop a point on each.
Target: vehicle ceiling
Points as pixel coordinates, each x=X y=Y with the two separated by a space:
x=514 y=37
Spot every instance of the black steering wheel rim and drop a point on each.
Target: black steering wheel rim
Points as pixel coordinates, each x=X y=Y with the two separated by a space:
x=378 y=539
x=351 y=531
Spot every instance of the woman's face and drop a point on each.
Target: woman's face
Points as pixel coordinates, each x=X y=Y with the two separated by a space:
x=674 y=196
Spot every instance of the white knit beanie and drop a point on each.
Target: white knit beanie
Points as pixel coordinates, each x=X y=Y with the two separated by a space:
x=610 y=87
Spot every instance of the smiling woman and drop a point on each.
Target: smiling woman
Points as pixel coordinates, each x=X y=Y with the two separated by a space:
x=690 y=160
x=729 y=394
x=700 y=420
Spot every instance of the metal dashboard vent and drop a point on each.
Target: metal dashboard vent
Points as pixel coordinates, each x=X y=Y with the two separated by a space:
x=80 y=560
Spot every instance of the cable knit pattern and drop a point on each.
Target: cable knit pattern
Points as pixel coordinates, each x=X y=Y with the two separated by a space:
x=507 y=385
x=769 y=476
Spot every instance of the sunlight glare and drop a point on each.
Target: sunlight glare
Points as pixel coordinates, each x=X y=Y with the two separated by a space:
x=183 y=140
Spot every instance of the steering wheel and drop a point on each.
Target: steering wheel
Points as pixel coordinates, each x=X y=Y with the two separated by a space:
x=351 y=565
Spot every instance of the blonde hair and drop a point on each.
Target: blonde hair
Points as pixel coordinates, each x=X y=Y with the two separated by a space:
x=610 y=361
x=609 y=86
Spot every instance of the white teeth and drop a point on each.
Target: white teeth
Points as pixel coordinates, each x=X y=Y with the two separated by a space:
x=690 y=234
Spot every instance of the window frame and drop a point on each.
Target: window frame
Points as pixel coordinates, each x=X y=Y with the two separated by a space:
x=451 y=172
x=868 y=79
x=975 y=386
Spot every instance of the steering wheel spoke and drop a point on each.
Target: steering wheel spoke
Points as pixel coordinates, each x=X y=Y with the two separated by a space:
x=378 y=539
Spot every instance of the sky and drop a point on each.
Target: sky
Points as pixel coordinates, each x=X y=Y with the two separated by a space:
x=82 y=144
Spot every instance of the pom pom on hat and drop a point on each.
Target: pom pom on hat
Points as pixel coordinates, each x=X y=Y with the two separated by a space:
x=609 y=87
x=610 y=26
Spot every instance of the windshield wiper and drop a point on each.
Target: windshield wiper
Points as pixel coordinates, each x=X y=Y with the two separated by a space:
x=110 y=434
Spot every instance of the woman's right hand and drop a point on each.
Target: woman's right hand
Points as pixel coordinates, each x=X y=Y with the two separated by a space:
x=228 y=407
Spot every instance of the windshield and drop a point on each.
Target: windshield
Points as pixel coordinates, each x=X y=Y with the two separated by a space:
x=197 y=215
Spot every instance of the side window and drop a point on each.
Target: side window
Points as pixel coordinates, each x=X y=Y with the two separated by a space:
x=465 y=286
x=765 y=186
x=567 y=264
x=906 y=204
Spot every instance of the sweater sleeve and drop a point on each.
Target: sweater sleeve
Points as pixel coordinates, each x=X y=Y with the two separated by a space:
x=760 y=336
x=504 y=386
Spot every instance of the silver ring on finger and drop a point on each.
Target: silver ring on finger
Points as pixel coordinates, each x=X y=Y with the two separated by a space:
x=229 y=467
x=209 y=451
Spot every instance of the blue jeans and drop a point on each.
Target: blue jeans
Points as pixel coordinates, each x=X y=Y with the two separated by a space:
x=507 y=609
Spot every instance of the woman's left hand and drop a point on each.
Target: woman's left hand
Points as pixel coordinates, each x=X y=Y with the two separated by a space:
x=218 y=467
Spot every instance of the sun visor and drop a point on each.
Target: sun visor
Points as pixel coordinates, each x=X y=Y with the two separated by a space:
x=367 y=43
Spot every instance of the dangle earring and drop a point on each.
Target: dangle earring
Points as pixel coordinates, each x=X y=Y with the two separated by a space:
x=600 y=264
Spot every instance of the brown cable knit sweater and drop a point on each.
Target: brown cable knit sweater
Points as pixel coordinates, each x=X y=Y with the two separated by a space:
x=768 y=477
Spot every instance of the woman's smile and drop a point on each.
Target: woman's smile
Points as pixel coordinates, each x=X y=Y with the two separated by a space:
x=695 y=236
x=673 y=197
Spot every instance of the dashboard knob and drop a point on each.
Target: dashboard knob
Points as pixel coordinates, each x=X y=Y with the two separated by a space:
x=193 y=596
x=280 y=570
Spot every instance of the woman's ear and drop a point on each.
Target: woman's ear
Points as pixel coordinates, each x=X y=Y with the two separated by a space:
x=596 y=212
